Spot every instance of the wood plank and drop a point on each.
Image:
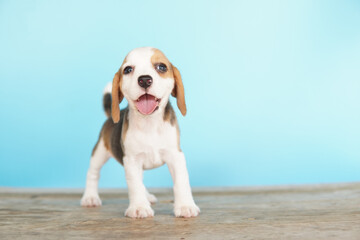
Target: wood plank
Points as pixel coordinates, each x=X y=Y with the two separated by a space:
x=329 y=211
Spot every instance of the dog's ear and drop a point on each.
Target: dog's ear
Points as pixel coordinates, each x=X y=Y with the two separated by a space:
x=116 y=96
x=178 y=91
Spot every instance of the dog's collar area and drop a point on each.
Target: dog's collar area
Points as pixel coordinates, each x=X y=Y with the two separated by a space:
x=147 y=104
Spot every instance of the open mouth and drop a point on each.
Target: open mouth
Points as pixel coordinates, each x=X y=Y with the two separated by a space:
x=147 y=104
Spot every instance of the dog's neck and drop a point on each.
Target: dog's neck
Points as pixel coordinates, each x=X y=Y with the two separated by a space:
x=146 y=122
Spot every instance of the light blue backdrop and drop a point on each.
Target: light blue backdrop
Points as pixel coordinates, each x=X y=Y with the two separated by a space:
x=272 y=87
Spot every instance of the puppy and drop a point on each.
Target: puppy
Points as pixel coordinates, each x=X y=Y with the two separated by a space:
x=145 y=134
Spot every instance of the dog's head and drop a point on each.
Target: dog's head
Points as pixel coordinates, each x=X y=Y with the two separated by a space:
x=146 y=79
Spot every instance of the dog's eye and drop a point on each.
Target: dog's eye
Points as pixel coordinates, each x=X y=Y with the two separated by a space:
x=128 y=70
x=161 y=68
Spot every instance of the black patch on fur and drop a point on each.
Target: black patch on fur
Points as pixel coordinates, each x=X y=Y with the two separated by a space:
x=169 y=114
x=117 y=146
x=112 y=134
x=107 y=104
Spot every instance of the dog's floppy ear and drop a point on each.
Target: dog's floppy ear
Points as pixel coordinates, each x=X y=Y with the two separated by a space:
x=117 y=97
x=178 y=91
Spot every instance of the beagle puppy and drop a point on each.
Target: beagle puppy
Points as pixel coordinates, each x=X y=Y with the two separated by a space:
x=145 y=134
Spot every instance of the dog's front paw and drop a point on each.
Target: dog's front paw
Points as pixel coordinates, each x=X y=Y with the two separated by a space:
x=90 y=200
x=186 y=211
x=139 y=211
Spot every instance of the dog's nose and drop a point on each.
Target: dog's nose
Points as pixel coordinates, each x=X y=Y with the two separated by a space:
x=145 y=81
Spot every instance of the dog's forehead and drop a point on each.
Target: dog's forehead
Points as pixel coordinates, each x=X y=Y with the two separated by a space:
x=145 y=55
x=139 y=55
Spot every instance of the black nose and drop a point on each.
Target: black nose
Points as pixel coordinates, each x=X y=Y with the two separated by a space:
x=145 y=81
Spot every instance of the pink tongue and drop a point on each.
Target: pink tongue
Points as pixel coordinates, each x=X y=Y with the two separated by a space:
x=146 y=104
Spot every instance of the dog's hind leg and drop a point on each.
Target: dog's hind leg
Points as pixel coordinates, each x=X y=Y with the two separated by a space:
x=98 y=159
x=151 y=197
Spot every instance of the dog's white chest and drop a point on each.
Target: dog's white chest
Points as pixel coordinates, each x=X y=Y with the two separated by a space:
x=147 y=142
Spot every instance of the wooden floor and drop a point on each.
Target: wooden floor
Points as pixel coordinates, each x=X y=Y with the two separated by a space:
x=293 y=212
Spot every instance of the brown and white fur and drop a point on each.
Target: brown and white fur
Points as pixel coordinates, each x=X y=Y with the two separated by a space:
x=142 y=141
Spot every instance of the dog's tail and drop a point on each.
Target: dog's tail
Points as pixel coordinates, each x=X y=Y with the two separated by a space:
x=107 y=99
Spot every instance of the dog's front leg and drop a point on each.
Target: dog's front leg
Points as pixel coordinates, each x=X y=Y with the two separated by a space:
x=184 y=205
x=139 y=206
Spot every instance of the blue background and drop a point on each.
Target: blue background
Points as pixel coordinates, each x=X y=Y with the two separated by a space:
x=272 y=88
